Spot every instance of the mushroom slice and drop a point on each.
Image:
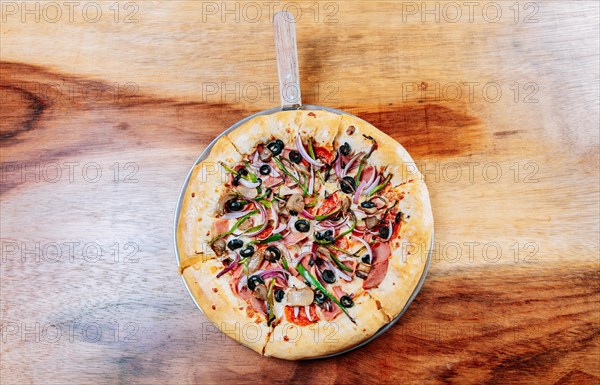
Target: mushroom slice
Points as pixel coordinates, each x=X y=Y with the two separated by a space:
x=295 y=203
x=300 y=297
x=223 y=201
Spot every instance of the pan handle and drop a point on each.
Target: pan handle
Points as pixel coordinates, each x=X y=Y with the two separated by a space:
x=284 y=29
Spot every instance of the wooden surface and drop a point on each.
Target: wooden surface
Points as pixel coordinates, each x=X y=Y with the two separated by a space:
x=512 y=295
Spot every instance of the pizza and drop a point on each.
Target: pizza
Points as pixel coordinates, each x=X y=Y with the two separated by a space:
x=304 y=232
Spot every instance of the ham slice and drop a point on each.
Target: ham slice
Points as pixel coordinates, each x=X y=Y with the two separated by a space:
x=329 y=315
x=294 y=238
x=367 y=173
x=379 y=267
x=272 y=181
x=220 y=226
x=258 y=305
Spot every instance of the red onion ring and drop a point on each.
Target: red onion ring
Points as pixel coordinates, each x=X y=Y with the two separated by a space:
x=230 y=267
x=249 y=184
x=307 y=215
x=305 y=156
x=365 y=244
x=311 y=183
x=235 y=214
x=372 y=186
x=359 y=191
x=242 y=282
x=369 y=183
x=263 y=213
x=350 y=163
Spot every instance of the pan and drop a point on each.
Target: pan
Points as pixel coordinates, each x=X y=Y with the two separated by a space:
x=291 y=98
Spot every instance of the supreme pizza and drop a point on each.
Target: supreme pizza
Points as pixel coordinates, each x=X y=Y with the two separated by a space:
x=304 y=232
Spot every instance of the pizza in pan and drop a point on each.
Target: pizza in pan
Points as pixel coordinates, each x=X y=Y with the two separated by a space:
x=304 y=232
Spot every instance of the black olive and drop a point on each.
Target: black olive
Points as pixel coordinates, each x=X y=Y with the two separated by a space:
x=265 y=169
x=259 y=181
x=399 y=217
x=345 y=148
x=276 y=147
x=319 y=236
x=311 y=262
x=272 y=254
x=243 y=172
x=384 y=231
x=302 y=225
x=348 y=185
x=247 y=252
x=234 y=205
x=328 y=276
x=367 y=205
x=293 y=213
x=366 y=258
x=320 y=297
x=279 y=294
x=235 y=244
x=346 y=301
x=295 y=156
x=236 y=180
x=328 y=233
x=254 y=281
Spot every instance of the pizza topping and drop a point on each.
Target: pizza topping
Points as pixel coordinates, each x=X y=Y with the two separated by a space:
x=235 y=244
x=295 y=156
x=302 y=225
x=272 y=253
x=295 y=203
x=276 y=147
x=346 y=301
x=345 y=149
x=300 y=212
x=279 y=294
x=247 y=252
x=300 y=297
x=254 y=281
x=265 y=169
x=260 y=291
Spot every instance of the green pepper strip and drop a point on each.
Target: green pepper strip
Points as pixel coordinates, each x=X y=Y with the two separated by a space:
x=338 y=262
x=266 y=194
x=380 y=186
x=288 y=173
x=234 y=227
x=325 y=216
x=251 y=177
x=284 y=262
x=311 y=150
x=355 y=255
x=349 y=230
x=313 y=281
x=364 y=159
x=270 y=303
x=272 y=238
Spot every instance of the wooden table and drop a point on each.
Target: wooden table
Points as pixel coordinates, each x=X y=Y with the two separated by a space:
x=106 y=105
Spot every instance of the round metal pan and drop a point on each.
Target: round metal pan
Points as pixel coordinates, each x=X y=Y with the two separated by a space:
x=285 y=41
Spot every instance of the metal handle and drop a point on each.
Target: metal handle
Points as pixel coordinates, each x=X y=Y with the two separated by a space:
x=284 y=28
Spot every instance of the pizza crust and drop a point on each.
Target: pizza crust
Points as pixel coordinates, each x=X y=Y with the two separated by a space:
x=223 y=308
x=326 y=337
x=198 y=209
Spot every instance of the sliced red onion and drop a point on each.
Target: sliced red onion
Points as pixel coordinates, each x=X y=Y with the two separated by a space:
x=282 y=226
x=230 y=267
x=338 y=166
x=335 y=225
x=365 y=244
x=271 y=272
x=307 y=312
x=263 y=213
x=343 y=275
x=359 y=191
x=350 y=164
x=372 y=186
x=242 y=282
x=249 y=184
x=275 y=216
x=302 y=151
x=311 y=182
x=296 y=311
x=307 y=215
x=369 y=183
x=255 y=158
x=235 y=214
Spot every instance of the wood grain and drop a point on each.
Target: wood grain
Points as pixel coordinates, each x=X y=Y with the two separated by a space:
x=513 y=294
